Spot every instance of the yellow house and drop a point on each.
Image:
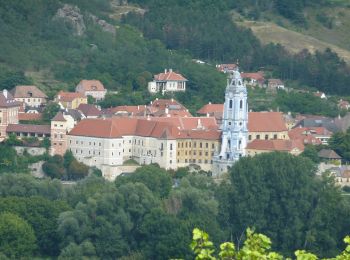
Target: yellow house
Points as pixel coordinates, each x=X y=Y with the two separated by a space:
x=197 y=147
x=70 y=100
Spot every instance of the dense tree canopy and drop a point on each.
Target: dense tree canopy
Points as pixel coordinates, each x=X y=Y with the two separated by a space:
x=150 y=210
x=278 y=191
x=17 y=236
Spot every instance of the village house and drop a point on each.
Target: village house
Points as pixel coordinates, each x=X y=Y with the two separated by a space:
x=226 y=68
x=310 y=135
x=93 y=88
x=89 y=110
x=343 y=104
x=257 y=146
x=8 y=112
x=70 y=100
x=275 y=84
x=329 y=156
x=61 y=124
x=31 y=96
x=342 y=177
x=254 y=79
x=321 y=95
x=169 y=81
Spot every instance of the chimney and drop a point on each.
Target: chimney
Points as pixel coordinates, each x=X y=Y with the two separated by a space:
x=172 y=100
x=148 y=117
x=199 y=124
x=170 y=70
x=5 y=92
x=165 y=71
x=138 y=107
x=209 y=103
x=166 y=110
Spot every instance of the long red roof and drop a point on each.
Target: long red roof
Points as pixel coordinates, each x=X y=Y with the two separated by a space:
x=169 y=129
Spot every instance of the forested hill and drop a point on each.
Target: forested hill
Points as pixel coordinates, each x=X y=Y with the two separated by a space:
x=41 y=45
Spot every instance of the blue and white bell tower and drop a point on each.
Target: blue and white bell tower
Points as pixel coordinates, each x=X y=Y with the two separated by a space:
x=234 y=125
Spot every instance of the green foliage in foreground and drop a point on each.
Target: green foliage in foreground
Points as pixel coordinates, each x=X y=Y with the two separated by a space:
x=255 y=247
x=150 y=215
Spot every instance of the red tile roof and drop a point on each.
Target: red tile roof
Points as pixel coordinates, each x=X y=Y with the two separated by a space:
x=266 y=122
x=163 y=103
x=258 y=76
x=169 y=76
x=68 y=96
x=29 y=116
x=89 y=110
x=59 y=117
x=117 y=127
x=26 y=128
x=92 y=85
x=275 y=145
x=308 y=134
x=211 y=108
x=189 y=123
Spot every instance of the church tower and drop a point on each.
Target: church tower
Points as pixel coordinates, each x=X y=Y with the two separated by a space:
x=234 y=125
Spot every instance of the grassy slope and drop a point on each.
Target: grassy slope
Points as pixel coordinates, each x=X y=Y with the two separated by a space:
x=315 y=37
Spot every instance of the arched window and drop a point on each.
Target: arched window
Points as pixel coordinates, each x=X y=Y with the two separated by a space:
x=241 y=104
x=230 y=105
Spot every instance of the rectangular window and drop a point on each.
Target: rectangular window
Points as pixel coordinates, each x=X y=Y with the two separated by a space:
x=171 y=147
x=200 y=145
x=206 y=145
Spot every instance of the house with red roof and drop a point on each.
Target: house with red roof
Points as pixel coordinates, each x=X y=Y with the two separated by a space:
x=226 y=68
x=255 y=147
x=70 y=100
x=343 y=104
x=254 y=78
x=310 y=135
x=169 y=81
x=93 y=88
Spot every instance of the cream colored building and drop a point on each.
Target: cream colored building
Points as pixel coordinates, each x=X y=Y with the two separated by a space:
x=61 y=124
x=98 y=142
x=93 y=88
x=8 y=112
x=30 y=95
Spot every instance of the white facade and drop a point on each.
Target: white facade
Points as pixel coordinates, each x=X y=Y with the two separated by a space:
x=94 y=151
x=114 y=151
x=98 y=95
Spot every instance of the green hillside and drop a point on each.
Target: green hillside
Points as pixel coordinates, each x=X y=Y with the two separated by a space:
x=41 y=45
